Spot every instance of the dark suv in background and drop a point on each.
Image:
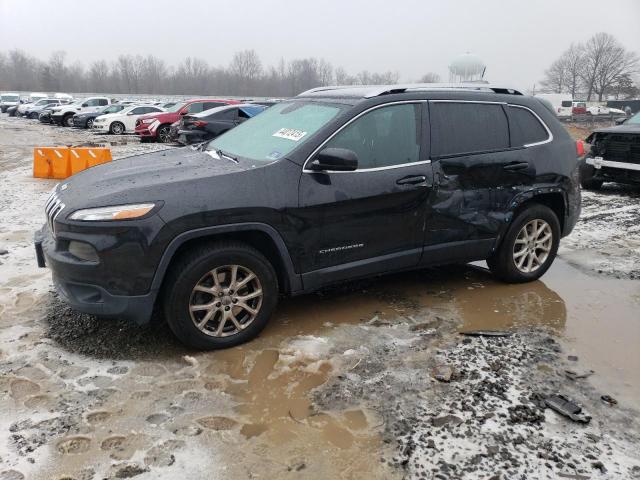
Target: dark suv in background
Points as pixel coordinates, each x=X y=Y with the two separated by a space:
x=335 y=184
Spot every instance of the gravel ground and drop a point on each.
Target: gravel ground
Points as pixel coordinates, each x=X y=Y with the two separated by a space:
x=342 y=384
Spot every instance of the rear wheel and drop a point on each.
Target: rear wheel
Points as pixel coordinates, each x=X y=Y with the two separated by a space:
x=529 y=246
x=116 y=128
x=163 y=134
x=220 y=295
x=67 y=120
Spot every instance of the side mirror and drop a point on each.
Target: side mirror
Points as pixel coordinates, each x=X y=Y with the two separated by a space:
x=620 y=121
x=183 y=112
x=84 y=105
x=336 y=159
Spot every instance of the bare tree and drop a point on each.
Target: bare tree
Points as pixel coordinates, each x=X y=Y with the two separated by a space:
x=573 y=59
x=245 y=75
x=430 y=77
x=555 y=77
x=605 y=60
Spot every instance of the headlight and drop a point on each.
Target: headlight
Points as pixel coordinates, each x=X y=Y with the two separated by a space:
x=148 y=120
x=120 y=212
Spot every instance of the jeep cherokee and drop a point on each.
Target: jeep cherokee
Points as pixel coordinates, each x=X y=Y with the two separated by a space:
x=335 y=184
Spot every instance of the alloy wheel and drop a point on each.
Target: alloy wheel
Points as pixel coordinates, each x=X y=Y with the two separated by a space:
x=532 y=246
x=163 y=134
x=225 y=301
x=90 y=123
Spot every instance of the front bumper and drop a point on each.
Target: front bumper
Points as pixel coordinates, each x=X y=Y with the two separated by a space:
x=599 y=168
x=79 y=284
x=148 y=130
x=56 y=118
x=100 y=127
x=79 y=122
x=599 y=162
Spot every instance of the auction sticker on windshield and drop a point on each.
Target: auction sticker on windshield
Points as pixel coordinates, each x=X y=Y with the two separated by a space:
x=290 y=134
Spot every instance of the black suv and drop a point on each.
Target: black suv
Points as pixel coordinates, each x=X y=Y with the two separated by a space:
x=335 y=184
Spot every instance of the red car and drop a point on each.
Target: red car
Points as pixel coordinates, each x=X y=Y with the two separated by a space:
x=155 y=126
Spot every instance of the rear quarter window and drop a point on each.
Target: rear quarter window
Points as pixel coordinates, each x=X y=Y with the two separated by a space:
x=467 y=128
x=525 y=127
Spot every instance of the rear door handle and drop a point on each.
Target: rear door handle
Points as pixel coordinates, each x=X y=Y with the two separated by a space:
x=412 y=180
x=516 y=166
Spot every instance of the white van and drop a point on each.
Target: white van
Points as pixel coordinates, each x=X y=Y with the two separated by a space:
x=8 y=99
x=562 y=103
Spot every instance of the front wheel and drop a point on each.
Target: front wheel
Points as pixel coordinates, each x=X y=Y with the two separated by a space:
x=33 y=116
x=529 y=246
x=220 y=295
x=163 y=134
x=116 y=128
x=90 y=123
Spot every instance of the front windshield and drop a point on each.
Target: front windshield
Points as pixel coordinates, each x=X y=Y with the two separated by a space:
x=10 y=98
x=277 y=131
x=635 y=120
x=176 y=107
x=112 y=109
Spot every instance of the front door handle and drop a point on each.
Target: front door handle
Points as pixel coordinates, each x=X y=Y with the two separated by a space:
x=411 y=180
x=516 y=166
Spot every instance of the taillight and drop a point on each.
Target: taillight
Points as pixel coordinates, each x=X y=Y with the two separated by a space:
x=200 y=123
x=580 y=148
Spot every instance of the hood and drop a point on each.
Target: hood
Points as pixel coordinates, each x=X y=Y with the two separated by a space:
x=163 y=117
x=150 y=177
x=110 y=115
x=619 y=129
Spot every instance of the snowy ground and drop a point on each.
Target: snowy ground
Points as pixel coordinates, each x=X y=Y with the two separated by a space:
x=341 y=384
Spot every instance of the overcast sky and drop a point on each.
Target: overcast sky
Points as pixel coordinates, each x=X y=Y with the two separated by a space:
x=517 y=39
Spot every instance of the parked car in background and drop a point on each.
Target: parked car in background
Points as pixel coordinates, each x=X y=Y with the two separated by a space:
x=63 y=115
x=35 y=96
x=124 y=120
x=13 y=111
x=579 y=108
x=45 y=115
x=156 y=127
x=33 y=110
x=333 y=185
x=614 y=155
x=561 y=103
x=209 y=124
x=9 y=100
x=85 y=120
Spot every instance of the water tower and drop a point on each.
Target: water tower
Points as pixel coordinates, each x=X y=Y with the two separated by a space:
x=467 y=68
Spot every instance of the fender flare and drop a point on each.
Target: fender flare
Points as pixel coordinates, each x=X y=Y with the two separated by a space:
x=522 y=198
x=295 y=280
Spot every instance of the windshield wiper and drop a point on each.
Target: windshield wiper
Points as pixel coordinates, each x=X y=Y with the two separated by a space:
x=226 y=155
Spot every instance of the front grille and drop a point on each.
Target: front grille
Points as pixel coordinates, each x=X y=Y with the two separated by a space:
x=52 y=209
x=621 y=148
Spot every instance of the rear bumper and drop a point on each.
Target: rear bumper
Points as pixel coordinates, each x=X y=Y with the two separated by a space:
x=83 y=295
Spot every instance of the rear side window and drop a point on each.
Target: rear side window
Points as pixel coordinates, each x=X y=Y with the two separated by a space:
x=208 y=105
x=467 y=128
x=525 y=127
x=567 y=103
x=103 y=102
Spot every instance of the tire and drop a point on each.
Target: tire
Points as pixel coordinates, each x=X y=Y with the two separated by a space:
x=116 y=128
x=89 y=123
x=162 y=135
x=67 y=120
x=195 y=269
x=587 y=177
x=33 y=116
x=503 y=262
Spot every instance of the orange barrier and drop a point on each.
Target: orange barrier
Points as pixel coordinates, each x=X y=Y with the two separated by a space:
x=62 y=162
x=85 y=157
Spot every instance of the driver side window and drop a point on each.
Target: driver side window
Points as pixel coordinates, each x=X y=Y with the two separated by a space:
x=383 y=137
